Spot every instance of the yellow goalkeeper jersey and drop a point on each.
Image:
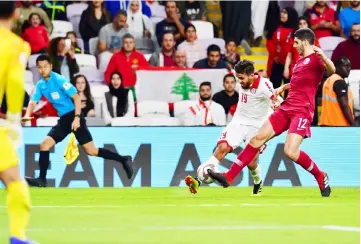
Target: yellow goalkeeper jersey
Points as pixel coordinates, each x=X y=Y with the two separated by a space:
x=14 y=54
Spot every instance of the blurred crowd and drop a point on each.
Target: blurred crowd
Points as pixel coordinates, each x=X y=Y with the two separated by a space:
x=129 y=35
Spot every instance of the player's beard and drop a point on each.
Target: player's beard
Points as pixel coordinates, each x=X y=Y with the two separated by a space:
x=204 y=99
x=301 y=51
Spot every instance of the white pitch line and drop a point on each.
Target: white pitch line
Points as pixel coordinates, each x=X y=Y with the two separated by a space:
x=256 y=227
x=341 y=228
x=200 y=228
x=188 y=205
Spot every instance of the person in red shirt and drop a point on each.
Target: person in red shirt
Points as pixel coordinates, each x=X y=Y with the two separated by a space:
x=36 y=34
x=278 y=45
x=294 y=114
x=293 y=55
x=126 y=61
x=350 y=48
x=324 y=20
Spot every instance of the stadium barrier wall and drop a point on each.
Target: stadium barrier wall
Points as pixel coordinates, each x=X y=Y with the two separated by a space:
x=165 y=155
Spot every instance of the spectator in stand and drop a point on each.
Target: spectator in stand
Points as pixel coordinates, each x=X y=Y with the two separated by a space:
x=323 y=19
x=213 y=60
x=172 y=23
x=110 y=35
x=82 y=85
x=195 y=10
x=126 y=62
x=205 y=112
x=293 y=55
x=63 y=58
x=117 y=100
x=56 y=10
x=231 y=57
x=350 y=48
x=139 y=25
x=236 y=20
x=337 y=98
x=92 y=20
x=229 y=96
x=36 y=34
x=190 y=46
x=114 y=6
x=71 y=35
x=192 y=10
x=180 y=59
x=258 y=19
x=349 y=16
x=165 y=58
x=26 y=8
x=278 y=47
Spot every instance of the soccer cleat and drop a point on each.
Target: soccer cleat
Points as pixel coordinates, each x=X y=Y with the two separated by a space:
x=128 y=166
x=257 y=189
x=192 y=183
x=219 y=177
x=14 y=240
x=324 y=185
x=35 y=182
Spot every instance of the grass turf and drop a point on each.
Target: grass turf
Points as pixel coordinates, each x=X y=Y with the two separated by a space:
x=173 y=215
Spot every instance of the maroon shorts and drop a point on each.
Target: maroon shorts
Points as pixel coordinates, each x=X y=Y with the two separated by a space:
x=298 y=122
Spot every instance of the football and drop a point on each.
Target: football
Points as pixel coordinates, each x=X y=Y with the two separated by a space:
x=202 y=173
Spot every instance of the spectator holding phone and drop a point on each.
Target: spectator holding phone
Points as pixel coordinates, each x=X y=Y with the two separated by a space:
x=71 y=35
x=62 y=55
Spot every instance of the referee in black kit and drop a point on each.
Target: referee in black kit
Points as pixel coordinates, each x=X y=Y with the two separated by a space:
x=65 y=99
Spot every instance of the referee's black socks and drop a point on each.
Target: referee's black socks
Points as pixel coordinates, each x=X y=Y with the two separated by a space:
x=44 y=163
x=107 y=154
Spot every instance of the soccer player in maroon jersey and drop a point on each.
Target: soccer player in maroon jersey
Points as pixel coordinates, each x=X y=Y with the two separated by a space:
x=295 y=114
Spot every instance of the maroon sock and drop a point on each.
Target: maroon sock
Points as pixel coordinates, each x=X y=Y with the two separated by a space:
x=306 y=162
x=243 y=159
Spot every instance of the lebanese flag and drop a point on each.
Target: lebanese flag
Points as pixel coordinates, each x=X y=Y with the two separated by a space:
x=175 y=84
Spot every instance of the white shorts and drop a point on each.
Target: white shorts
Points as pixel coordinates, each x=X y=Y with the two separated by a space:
x=235 y=134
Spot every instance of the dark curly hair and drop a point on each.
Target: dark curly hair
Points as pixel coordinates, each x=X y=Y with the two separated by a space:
x=244 y=67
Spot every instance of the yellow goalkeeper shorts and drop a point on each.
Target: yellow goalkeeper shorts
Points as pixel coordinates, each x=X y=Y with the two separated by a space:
x=8 y=155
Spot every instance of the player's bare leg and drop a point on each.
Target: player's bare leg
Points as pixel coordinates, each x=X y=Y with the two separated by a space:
x=255 y=170
x=219 y=154
x=221 y=151
x=126 y=161
x=293 y=152
x=247 y=155
x=18 y=201
x=44 y=162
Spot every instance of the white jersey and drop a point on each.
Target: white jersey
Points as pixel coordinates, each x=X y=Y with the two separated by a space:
x=254 y=103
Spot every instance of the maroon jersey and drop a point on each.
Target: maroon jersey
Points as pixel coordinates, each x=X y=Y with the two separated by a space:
x=306 y=77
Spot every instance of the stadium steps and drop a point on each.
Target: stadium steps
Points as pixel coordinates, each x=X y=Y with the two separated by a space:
x=259 y=56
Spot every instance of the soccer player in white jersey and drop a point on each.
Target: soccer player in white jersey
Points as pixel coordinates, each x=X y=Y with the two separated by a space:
x=255 y=101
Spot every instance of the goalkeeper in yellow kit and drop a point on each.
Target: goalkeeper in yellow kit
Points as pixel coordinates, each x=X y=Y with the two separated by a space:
x=14 y=53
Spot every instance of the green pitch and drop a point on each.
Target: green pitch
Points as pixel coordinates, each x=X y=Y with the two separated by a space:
x=173 y=216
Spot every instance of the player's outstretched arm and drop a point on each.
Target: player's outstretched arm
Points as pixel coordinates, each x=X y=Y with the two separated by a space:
x=328 y=63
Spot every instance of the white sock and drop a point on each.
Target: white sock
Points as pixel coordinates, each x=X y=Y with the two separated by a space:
x=256 y=175
x=212 y=160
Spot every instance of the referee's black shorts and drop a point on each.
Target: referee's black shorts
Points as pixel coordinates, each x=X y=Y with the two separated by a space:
x=63 y=128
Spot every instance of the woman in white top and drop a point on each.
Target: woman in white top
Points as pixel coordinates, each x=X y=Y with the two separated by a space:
x=139 y=25
x=190 y=46
x=119 y=101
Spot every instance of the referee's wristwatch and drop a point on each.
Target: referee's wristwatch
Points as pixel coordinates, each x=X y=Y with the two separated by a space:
x=78 y=115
